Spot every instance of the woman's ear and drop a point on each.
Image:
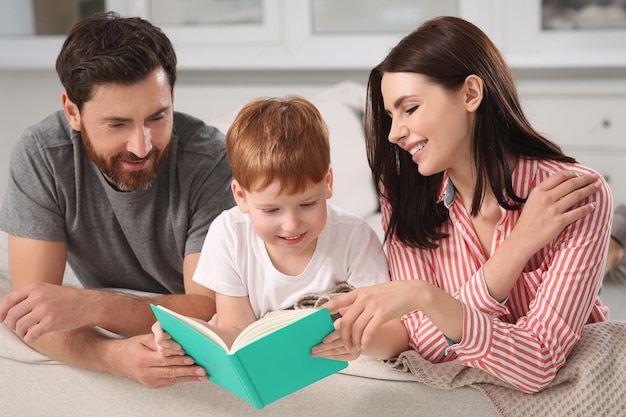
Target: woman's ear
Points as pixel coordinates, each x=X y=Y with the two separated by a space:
x=473 y=90
x=71 y=111
x=240 y=196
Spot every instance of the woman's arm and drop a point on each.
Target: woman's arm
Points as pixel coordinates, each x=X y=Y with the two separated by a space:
x=551 y=207
x=548 y=211
x=438 y=311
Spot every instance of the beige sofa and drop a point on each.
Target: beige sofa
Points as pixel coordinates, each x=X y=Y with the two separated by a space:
x=32 y=385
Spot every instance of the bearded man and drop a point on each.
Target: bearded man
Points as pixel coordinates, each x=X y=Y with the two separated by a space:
x=123 y=189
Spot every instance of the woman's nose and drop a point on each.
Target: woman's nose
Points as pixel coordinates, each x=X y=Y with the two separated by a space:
x=397 y=133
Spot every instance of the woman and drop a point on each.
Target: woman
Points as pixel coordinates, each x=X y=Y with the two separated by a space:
x=496 y=240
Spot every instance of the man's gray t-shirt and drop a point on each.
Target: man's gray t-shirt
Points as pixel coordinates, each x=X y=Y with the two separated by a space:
x=135 y=240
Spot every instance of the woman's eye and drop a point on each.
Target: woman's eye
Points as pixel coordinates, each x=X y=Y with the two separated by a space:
x=411 y=109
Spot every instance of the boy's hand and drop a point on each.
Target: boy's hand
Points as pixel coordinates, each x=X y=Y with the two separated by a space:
x=164 y=343
x=332 y=347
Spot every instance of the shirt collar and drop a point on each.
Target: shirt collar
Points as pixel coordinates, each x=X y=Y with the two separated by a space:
x=447 y=192
x=523 y=175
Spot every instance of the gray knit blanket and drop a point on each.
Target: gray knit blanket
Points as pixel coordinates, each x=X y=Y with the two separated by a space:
x=591 y=383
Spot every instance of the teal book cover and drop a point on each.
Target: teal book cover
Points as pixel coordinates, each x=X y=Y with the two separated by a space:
x=269 y=360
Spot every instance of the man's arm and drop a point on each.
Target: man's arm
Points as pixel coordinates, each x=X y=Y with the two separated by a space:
x=113 y=313
x=59 y=321
x=39 y=305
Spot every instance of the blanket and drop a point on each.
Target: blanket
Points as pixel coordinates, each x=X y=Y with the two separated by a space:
x=591 y=383
x=314 y=300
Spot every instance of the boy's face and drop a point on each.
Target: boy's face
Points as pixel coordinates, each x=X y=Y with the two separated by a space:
x=289 y=224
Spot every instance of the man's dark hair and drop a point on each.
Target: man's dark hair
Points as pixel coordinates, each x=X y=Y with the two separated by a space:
x=108 y=48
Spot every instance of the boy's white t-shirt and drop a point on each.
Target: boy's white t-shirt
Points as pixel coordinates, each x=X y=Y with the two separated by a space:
x=234 y=261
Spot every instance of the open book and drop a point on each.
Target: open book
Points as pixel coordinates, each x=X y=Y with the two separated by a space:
x=270 y=359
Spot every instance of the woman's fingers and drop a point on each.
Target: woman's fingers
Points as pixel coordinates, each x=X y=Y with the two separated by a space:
x=569 y=180
x=576 y=195
x=340 y=302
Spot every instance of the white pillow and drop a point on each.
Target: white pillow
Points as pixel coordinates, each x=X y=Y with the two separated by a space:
x=342 y=107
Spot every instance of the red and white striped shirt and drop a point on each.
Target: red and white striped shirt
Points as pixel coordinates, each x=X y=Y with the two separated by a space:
x=525 y=339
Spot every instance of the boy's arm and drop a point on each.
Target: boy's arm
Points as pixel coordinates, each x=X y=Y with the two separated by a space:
x=236 y=312
x=390 y=340
x=233 y=315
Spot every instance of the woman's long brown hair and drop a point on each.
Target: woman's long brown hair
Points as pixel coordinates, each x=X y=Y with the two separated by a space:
x=447 y=50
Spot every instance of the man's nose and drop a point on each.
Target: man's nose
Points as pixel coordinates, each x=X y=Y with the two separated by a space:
x=140 y=144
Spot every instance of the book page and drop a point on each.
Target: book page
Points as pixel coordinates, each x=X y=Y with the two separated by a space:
x=271 y=322
x=199 y=327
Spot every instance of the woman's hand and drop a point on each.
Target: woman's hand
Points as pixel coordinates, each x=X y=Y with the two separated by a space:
x=367 y=309
x=553 y=205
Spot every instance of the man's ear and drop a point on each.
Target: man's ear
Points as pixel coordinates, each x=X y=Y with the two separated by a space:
x=329 y=183
x=71 y=111
x=473 y=92
x=240 y=196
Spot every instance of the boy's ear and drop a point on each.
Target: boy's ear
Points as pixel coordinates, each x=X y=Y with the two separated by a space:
x=240 y=196
x=71 y=111
x=329 y=183
x=473 y=92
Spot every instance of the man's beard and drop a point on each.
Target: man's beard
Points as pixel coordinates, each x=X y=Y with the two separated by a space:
x=120 y=178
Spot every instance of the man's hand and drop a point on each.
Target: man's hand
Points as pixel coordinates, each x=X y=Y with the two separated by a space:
x=40 y=308
x=138 y=359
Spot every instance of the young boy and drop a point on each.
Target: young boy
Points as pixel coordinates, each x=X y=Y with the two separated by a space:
x=282 y=240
